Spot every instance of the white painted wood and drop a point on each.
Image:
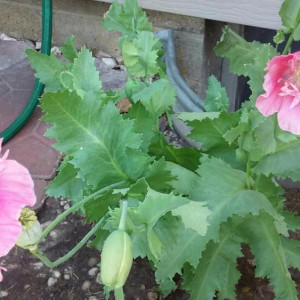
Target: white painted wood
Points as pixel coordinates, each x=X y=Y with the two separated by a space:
x=260 y=13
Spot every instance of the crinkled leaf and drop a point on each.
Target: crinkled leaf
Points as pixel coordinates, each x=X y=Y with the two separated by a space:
x=185 y=157
x=194 y=215
x=241 y=53
x=102 y=145
x=100 y=205
x=158 y=97
x=217 y=268
x=127 y=19
x=210 y=131
x=292 y=252
x=140 y=55
x=284 y=162
x=67 y=184
x=216 y=96
x=270 y=261
x=68 y=49
x=48 y=69
x=290 y=13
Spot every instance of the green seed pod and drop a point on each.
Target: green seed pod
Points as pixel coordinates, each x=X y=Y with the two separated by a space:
x=116 y=259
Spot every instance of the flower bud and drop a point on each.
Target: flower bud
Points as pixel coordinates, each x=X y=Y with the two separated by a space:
x=116 y=259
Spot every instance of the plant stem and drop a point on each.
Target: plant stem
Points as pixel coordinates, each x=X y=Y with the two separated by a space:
x=119 y=294
x=76 y=207
x=123 y=215
x=248 y=172
x=288 y=44
x=64 y=258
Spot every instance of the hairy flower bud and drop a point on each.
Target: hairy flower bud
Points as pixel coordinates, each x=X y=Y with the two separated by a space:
x=116 y=259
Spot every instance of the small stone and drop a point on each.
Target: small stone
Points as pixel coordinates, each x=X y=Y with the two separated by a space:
x=152 y=296
x=120 y=60
x=51 y=281
x=67 y=276
x=93 y=271
x=86 y=285
x=53 y=234
x=56 y=274
x=92 y=298
x=38 y=46
x=111 y=62
x=67 y=206
x=99 y=54
x=56 y=50
x=63 y=202
x=38 y=265
x=92 y=261
x=3 y=294
x=4 y=37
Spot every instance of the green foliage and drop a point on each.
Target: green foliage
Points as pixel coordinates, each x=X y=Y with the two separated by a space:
x=216 y=96
x=127 y=19
x=189 y=209
x=290 y=13
x=140 y=54
x=68 y=49
x=48 y=69
x=246 y=58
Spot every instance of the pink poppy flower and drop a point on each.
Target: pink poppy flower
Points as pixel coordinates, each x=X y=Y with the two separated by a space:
x=282 y=87
x=16 y=192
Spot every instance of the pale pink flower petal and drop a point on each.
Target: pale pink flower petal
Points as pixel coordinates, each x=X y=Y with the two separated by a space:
x=289 y=118
x=269 y=104
x=16 y=192
x=282 y=91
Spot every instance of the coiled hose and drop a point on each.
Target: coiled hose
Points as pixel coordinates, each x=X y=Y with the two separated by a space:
x=21 y=120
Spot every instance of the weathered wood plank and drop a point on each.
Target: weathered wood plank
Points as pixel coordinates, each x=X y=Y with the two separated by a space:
x=260 y=13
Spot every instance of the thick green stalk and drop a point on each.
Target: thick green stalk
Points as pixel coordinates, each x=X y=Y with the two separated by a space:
x=76 y=207
x=288 y=44
x=64 y=258
x=119 y=294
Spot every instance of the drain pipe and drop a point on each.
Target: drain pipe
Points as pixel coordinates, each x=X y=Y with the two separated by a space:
x=187 y=99
x=21 y=120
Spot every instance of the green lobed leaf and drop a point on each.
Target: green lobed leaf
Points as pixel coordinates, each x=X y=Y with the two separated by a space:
x=210 y=131
x=186 y=157
x=158 y=97
x=68 y=49
x=127 y=19
x=217 y=268
x=67 y=184
x=284 y=162
x=100 y=205
x=140 y=55
x=265 y=243
x=241 y=53
x=194 y=215
x=85 y=76
x=290 y=13
x=216 y=96
x=48 y=69
x=144 y=123
x=292 y=252
x=102 y=145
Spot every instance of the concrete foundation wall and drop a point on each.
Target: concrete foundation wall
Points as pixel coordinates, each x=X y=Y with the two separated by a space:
x=22 y=19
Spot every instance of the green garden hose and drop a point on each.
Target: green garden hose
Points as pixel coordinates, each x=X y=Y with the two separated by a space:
x=21 y=120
